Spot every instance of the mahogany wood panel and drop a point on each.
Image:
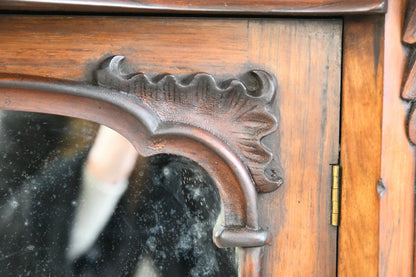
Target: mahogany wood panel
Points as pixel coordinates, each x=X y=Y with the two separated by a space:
x=362 y=95
x=377 y=159
x=398 y=160
x=307 y=65
x=409 y=86
x=304 y=55
x=289 y=7
x=71 y=47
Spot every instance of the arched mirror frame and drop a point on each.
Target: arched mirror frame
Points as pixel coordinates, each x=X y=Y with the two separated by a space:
x=167 y=115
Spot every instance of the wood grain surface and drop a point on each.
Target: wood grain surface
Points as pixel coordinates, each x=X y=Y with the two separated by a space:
x=362 y=102
x=409 y=86
x=378 y=161
x=398 y=160
x=285 y=7
x=305 y=57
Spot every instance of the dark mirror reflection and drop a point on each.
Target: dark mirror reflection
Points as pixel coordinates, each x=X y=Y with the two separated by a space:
x=77 y=200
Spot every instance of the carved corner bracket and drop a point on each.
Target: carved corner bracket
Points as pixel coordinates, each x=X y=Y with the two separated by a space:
x=221 y=126
x=409 y=83
x=238 y=112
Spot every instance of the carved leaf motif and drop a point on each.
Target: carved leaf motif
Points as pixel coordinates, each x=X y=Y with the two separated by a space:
x=409 y=87
x=409 y=35
x=236 y=112
x=412 y=125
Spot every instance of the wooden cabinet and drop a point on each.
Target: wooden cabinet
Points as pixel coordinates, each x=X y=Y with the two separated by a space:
x=338 y=78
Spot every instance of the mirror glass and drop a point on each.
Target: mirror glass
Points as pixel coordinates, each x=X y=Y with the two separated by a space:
x=76 y=199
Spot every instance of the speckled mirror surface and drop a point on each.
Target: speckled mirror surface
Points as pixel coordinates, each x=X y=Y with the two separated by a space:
x=158 y=222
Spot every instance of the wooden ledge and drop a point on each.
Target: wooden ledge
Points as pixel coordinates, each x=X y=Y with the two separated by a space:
x=243 y=7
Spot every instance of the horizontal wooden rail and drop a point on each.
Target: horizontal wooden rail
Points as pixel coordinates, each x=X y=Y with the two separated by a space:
x=246 y=7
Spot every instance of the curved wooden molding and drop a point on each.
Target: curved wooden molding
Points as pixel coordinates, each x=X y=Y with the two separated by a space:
x=218 y=125
x=267 y=7
x=409 y=83
x=237 y=112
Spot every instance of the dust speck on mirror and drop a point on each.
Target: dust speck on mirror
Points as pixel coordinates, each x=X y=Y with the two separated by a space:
x=76 y=199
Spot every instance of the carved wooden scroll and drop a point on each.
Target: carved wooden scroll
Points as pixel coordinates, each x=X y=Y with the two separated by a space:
x=409 y=85
x=221 y=126
x=236 y=112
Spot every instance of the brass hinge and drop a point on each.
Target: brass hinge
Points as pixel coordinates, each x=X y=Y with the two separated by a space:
x=336 y=189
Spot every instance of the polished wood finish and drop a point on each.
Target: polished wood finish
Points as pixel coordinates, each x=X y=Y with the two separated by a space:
x=376 y=235
x=267 y=7
x=72 y=47
x=235 y=111
x=307 y=65
x=398 y=160
x=408 y=90
x=152 y=127
x=409 y=86
x=362 y=102
x=377 y=159
x=305 y=57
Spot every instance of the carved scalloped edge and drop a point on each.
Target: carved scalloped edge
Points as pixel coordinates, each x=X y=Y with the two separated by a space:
x=236 y=111
x=409 y=82
x=152 y=132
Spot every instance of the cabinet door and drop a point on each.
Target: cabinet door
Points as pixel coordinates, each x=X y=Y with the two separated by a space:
x=303 y=54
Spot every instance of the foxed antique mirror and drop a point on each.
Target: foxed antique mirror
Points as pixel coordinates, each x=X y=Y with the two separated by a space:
x=162 y=225
x=201 y=159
